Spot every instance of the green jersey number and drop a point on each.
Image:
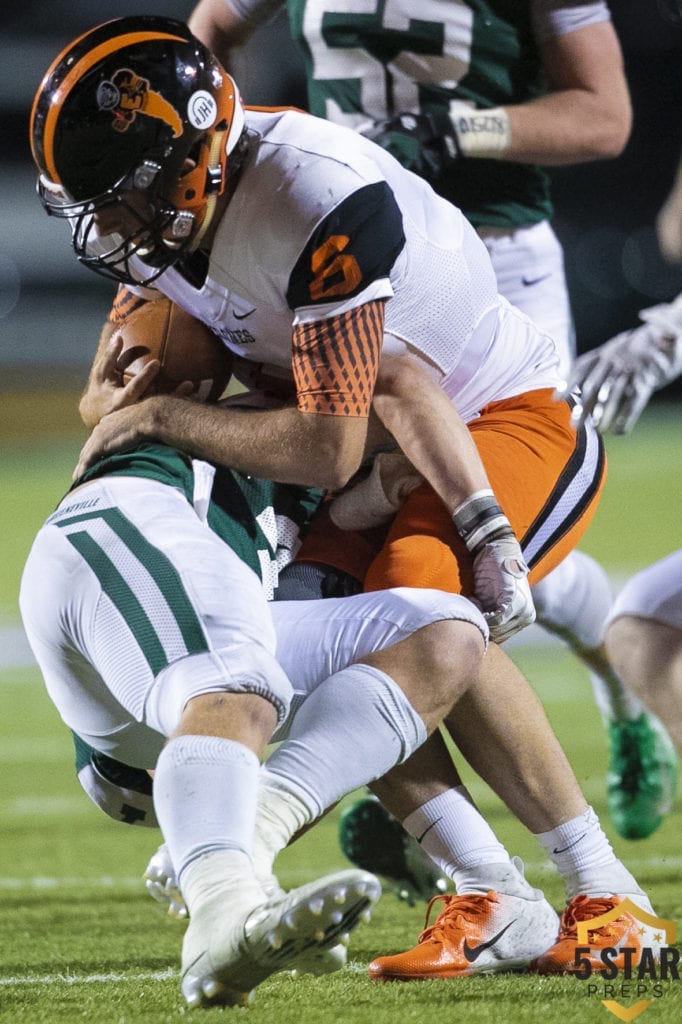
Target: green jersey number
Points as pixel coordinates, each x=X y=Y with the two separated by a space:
x=370 y=57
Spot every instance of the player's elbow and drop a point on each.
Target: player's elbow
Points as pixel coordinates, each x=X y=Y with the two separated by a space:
x=337 y=451
x=613 y=133
x=613 y=141
x=336 y=469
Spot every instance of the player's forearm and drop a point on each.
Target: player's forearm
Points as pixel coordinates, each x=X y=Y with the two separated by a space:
x=283 y=444
x=569 y=127
x=430 y=432
x=586 y=114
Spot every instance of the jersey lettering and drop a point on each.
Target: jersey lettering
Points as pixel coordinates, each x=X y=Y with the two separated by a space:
x=383 y=53
x=335 y=272
x=352 y=247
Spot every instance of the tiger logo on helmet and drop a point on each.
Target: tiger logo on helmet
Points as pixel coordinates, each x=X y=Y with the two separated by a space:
x=128 y=95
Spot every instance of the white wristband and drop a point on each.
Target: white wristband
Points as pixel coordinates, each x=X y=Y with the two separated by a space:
x=480 y=133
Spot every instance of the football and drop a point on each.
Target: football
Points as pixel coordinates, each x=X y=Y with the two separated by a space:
x=187 y=350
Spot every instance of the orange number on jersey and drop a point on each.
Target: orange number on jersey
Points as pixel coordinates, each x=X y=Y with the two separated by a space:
x=329 y=261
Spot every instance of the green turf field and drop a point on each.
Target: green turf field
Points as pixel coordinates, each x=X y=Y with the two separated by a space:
x=79 y=938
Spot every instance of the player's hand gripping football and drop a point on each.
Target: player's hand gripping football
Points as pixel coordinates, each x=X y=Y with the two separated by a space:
x=501 y=587
x=618 y=378
x=106 y=391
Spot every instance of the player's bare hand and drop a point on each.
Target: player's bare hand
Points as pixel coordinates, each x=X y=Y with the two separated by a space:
x=377 y=498
x=117 y=431
x=106 y=391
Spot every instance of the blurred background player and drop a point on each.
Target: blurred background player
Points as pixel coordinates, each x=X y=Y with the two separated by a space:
x=643 y=635
x=424 y=76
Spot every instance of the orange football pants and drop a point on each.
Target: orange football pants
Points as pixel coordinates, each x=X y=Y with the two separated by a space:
x=546 y=476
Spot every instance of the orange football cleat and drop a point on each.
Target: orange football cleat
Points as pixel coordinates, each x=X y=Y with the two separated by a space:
x=474 y=934
x=620 y=932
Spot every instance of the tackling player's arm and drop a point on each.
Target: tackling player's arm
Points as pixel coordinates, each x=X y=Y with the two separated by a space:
x=428 y=430
x=285 y=445
x=319 y=442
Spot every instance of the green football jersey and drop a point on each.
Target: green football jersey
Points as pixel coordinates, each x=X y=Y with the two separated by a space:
x=260 y=520
x=371 y=59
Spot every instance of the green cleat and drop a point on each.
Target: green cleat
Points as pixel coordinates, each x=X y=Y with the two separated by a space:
x=368 y=834
x=642 y=775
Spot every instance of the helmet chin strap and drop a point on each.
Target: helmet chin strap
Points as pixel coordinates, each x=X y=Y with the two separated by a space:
x=217 y=142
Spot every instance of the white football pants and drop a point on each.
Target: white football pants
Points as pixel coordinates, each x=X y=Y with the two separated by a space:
x=133 y=606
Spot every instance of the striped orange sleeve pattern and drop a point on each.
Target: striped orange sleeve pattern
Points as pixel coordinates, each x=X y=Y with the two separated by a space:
x=335 y=361
x=125 y=302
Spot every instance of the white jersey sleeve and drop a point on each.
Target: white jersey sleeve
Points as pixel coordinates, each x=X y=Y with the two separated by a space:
x=553 y=18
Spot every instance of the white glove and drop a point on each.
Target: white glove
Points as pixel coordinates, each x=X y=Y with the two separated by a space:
x=162 y=885
x=377 y=498
x=618 y=378
x=501 y=588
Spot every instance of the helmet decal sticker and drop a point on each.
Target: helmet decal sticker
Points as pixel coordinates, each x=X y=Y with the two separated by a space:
x=128 y=95
x=202 y=109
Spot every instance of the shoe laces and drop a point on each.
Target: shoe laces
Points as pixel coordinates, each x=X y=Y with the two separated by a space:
x=455 y=908
x=583 y=908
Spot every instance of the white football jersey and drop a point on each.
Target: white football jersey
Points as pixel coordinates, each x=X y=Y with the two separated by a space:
x=323 y=221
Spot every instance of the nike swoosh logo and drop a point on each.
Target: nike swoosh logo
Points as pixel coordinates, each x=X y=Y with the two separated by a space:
x=564 y=848
x=243 y=316
x=473 y=953
x=528 y=281
x=426 y=830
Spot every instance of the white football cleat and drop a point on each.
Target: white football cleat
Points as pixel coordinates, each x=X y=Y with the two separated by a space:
x=162 y=886
x=223 y=961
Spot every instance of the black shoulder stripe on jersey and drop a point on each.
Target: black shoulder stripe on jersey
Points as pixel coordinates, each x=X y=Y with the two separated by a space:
x=355 y=244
